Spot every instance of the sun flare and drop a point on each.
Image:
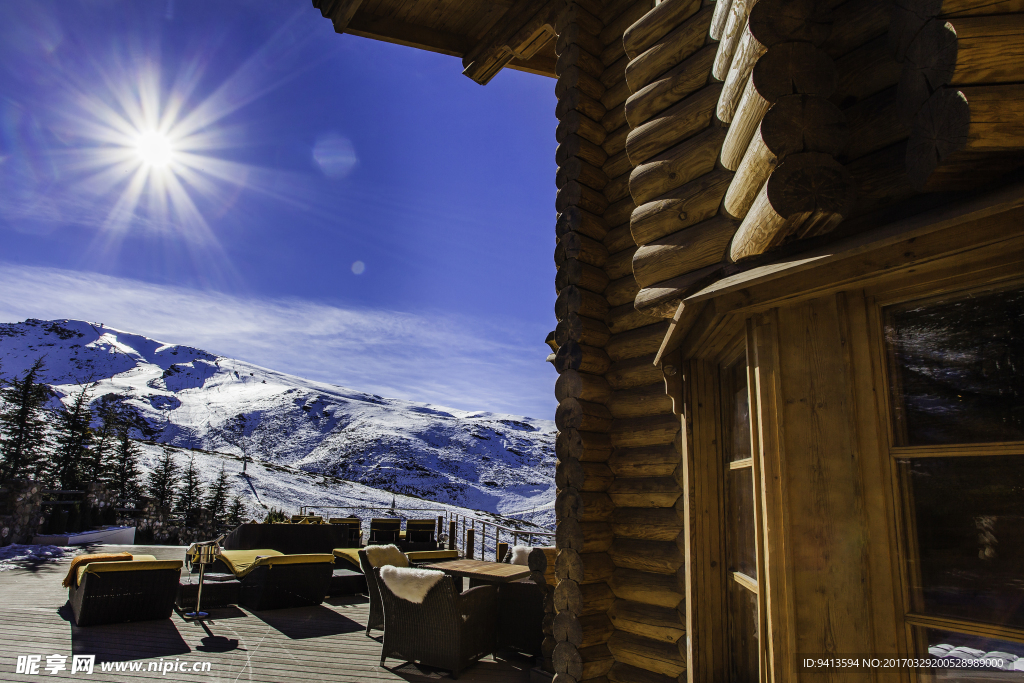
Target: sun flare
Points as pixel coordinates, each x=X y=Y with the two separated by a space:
x=155 y=149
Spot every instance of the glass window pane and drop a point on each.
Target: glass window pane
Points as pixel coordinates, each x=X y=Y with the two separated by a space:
x=958 y=369
x=742 y=543
x=933 y=643
x=967 y=515
x=743 y=635
x=740 y=414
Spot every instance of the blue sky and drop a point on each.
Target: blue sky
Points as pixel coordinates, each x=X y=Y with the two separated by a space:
x=336 y=207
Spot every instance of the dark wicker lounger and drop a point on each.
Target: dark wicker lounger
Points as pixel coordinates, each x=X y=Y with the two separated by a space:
x=140 y=589
x=271 y=580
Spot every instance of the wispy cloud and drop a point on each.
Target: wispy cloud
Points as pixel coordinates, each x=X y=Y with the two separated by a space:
x=450 y=360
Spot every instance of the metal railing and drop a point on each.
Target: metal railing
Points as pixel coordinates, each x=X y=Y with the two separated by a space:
x=480 y=539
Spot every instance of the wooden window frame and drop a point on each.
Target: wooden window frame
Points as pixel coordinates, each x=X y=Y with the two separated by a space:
x=878 y=300
x=737 y=352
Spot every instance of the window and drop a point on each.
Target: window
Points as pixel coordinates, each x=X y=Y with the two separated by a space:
x=956 y=382
x=742 y=519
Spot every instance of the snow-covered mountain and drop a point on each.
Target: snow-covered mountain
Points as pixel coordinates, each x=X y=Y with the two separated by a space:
x=499 y=463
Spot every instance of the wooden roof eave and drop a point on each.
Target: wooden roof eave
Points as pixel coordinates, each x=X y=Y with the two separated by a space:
x=347 y=17
x=854 y=260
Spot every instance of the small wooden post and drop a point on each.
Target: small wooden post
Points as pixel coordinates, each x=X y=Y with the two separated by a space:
x=483 y=539
x=440 y=529
x=469 y=543
x=452 y=531
x=499 y=555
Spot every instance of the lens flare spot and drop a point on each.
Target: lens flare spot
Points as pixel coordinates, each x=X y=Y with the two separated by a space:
x=334 y=155
x=358 y=267
x=154 y=149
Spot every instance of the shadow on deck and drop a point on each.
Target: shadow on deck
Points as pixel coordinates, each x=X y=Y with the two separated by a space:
x=322 y=643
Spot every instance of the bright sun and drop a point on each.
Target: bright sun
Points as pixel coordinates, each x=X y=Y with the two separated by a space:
x=154 y=149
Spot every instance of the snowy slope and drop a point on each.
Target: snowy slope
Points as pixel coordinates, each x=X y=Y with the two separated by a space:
x=498 y=463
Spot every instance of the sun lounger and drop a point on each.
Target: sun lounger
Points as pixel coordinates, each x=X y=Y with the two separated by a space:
x=109 y=592
x=273 y=580
x=420 y=535
x=290 y=539
x=351 y=527
x=384 y=531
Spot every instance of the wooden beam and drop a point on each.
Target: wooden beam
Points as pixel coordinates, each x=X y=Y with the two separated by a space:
x=653 y=26
x=796 y=123
x=908 y=231
x=963 y=137
x=399 y=32
x=961 y=51
x=699 y=246
x=808 y=194
x=787 y=69
x=519 y=34
x=340 y=12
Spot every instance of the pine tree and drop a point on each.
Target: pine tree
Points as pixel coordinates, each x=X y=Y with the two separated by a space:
x=237 y=512
x=23 y=431
x=125 y=475
x=164 y=479
x=217 y=503
x=274 y=516
x=104 y=437
x=190 y=495
x=74 y=437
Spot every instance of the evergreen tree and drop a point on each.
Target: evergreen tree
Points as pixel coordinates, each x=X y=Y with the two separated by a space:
x=190 y=495
x=23 y=430
x=164 y=479
x=275 y=516
x=217 y=503
x=104 y=437
x=125 y=471
x=237 y=512
x=74 y=437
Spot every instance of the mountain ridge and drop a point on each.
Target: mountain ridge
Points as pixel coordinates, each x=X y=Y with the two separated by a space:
x=493 y=462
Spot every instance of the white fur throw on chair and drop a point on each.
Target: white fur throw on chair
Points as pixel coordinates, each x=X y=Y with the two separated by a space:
x=521 y=554
x=382 y=555
x=410 y=584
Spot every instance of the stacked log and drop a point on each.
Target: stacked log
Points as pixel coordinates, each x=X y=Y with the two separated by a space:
x=867 y=74
x=594 y=282
x=662 y=142
x=674 y=143
x=776 y=97
x=960 y=89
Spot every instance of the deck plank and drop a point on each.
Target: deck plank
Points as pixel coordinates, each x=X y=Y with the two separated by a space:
x=309 y=644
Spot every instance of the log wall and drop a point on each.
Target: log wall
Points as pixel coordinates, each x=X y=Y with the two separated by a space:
x=960 y=89
x=673 y=145
x=620 y=595
x=692 y=135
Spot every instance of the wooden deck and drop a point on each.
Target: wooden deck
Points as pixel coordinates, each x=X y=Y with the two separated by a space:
x=324 y=643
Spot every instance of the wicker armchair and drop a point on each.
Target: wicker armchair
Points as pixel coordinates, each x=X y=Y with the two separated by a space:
x=376 y=618
x=449 y=630
x=520 y=614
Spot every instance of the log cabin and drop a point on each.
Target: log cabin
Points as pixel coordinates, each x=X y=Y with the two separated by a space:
x=789 y=326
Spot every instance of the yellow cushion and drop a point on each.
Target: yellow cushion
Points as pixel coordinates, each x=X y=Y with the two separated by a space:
x=137 y=563
x=241 y=565
x=305 y=558
x=349 y=555
x=239 y=561
x=426 y=555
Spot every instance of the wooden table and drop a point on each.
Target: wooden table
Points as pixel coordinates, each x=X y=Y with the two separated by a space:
x=491 y=572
